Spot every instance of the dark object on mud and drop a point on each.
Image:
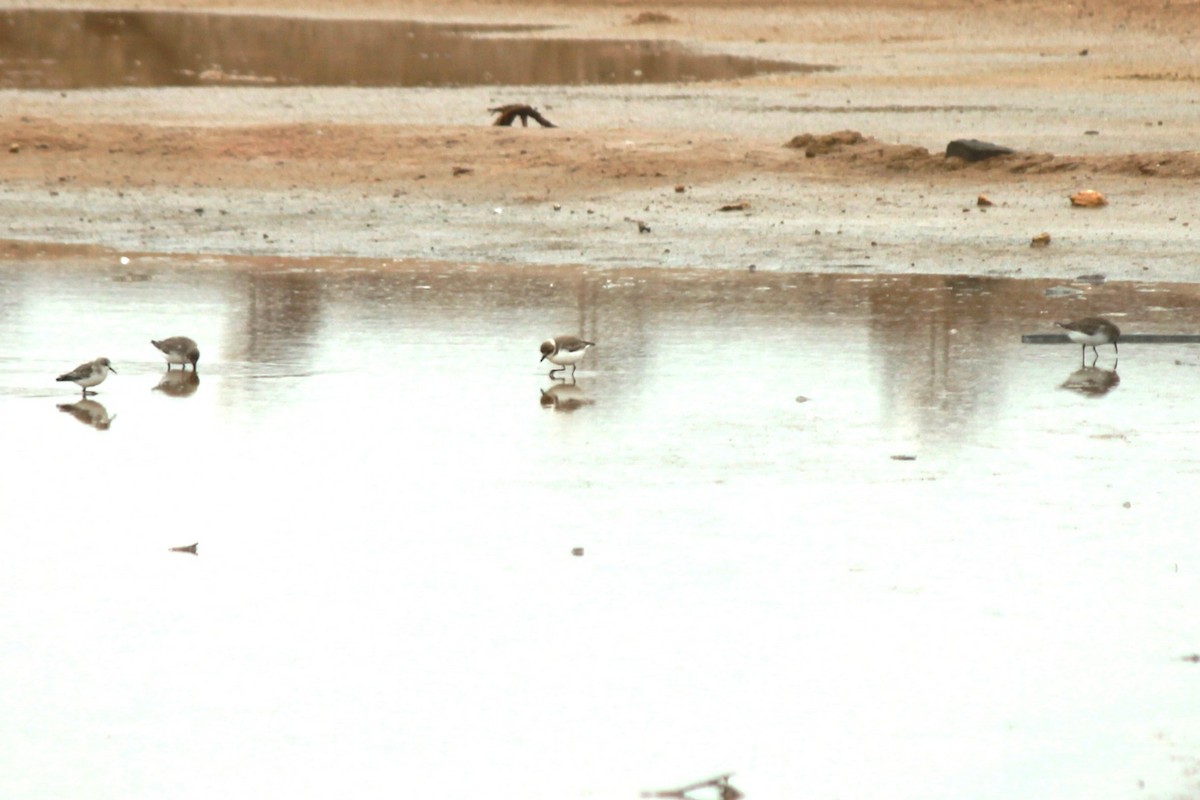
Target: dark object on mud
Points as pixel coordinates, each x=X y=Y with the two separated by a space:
x=511 y=112
x=975 y=150
x=819 y=145
x=652 y=18
x=904 y=458
x=721 y=783
x=1041 y=240
x=983 y=201
x=191 y=548
x=741 y=205
x=457 y=171
x=576 y=551
x=1194 y=658
x=642 y=226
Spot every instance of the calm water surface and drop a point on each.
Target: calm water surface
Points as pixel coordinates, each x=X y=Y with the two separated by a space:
x=53 y=49
x=386 y=490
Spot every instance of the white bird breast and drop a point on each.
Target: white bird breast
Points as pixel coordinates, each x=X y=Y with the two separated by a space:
x=1085 y=339
x=566 y=358
x=98 y=375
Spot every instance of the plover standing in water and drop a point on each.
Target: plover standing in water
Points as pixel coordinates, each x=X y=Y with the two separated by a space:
x=179 y=350
x=87 y=375
x=1091 y=331
x=566 y=351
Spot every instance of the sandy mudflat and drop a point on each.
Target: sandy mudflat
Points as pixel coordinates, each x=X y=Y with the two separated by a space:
x=1093 y=95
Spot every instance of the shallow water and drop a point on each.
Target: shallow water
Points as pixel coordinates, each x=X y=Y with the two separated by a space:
x=942 y=575
x=49 y=49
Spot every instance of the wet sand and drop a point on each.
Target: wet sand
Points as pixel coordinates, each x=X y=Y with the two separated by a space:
x=1096 y=96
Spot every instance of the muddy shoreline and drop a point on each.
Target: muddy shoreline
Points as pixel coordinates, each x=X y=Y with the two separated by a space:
x=1099 y=99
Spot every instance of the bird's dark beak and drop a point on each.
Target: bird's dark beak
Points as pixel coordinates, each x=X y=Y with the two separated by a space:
x=543 y=358
x=112 y=369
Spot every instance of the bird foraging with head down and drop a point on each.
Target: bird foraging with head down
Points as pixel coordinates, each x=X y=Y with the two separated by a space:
x=179 y=350
x=1091 y=331
x=566 y=351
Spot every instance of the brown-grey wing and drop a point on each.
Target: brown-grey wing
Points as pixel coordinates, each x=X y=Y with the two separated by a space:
x=82 y=371
x=179 y=344
x=572 y=344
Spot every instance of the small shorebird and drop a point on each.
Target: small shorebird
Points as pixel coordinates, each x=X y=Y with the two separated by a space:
x=179 y=350
x=90 y=374
x=1091 y=331
x=564 y=351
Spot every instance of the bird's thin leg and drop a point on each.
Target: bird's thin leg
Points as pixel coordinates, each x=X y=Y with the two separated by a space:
x=1115 y=350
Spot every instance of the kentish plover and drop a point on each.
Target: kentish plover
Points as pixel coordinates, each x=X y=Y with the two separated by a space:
x=564 y=351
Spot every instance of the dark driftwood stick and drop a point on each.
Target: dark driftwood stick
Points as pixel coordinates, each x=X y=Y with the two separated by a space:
x=720 y=782
x=1126 y=338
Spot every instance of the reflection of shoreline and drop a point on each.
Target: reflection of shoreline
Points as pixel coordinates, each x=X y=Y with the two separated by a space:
x=178 y=383
x=1092 y=381
x=89 y=412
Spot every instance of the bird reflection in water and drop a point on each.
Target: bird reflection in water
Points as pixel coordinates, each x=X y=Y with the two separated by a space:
x=565 y=396
x=1093 y=381
x=89 y=412
x=178 y=383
